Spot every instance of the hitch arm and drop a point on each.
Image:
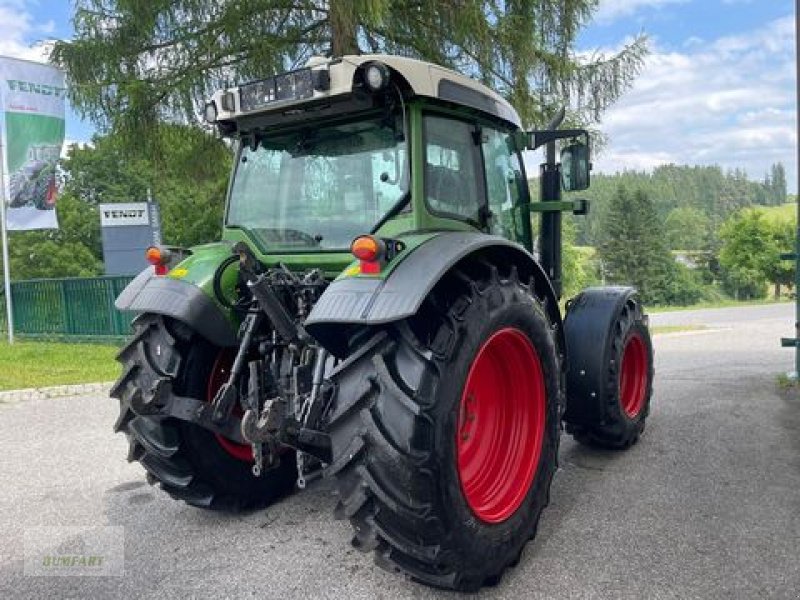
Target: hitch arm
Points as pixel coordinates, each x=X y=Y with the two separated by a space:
x=228 y=393
x=313 y=442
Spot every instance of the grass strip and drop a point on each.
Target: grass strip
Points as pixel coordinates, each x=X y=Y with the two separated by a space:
x=40 y=364
x=661 y=329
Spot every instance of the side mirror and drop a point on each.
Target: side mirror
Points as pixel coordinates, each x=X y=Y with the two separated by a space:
x=575 y=167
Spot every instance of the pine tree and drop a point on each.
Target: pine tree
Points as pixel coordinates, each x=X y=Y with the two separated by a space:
x=636 y=252
x=778 y=185
x=133 y=64
x=766 y=194
x=686 y=228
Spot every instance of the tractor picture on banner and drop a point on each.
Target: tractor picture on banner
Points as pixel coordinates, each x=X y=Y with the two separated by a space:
x=32 y=97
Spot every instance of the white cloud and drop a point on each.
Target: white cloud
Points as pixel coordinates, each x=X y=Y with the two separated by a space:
x=610 y=10
x=16 y=26
x=729 y=101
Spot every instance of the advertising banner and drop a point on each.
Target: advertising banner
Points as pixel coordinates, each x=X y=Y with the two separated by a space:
x=32 y=101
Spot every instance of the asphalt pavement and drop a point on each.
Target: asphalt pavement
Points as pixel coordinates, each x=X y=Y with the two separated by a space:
x=706 y=505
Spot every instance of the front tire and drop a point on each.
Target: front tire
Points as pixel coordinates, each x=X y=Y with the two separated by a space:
x=189 y=462
x=445 y=431
x=615 y=417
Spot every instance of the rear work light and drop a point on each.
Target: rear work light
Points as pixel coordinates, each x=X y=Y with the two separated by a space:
x=159 y=258
x=377 y=76
x=210 y=112
x=370 y=251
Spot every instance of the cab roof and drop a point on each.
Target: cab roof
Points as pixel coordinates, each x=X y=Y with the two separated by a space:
x=338 y=76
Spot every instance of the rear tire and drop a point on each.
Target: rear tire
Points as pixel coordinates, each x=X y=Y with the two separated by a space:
x=406 y=475
x=189 y=462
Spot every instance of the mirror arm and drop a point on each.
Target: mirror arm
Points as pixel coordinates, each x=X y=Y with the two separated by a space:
x=538 y=138
x=578 y=206
x=557 y=119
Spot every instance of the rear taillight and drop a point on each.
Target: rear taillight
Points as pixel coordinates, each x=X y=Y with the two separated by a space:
x=159 y=258
x=370 y=251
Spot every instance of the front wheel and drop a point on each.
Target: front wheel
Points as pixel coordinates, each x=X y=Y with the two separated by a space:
x=610 y=380
x=445 y=431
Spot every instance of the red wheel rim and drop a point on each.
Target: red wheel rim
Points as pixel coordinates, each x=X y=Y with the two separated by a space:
x=501 y=425
x=633 y=376
x=219 y=375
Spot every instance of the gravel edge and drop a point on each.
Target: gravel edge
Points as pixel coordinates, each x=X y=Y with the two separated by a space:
x=57 y=391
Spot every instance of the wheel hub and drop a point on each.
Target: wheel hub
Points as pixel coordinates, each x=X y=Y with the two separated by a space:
x=501 y=425
x=633 y=376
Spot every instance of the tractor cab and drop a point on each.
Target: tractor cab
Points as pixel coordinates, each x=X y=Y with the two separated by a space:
x=371 y=144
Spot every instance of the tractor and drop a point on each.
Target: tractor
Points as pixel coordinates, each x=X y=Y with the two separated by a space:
x=379 y=313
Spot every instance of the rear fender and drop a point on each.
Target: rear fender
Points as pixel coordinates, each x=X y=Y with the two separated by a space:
x=185 y=294
x=361 y=301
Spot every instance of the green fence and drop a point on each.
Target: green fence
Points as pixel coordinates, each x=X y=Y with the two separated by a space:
x=74 y=308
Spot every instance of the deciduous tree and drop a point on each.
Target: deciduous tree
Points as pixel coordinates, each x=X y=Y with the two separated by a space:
x=752 y=242
x=188 y=184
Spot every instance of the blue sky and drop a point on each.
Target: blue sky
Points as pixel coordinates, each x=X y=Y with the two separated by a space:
x=717 y=88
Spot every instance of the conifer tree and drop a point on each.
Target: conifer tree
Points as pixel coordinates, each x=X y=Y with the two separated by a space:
x=636 y=252
x=133 y=64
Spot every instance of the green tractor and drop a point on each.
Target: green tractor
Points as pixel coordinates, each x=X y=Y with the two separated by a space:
x=376 y=313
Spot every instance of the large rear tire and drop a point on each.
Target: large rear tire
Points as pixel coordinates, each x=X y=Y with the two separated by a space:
x=189 y=462
x=445 y=431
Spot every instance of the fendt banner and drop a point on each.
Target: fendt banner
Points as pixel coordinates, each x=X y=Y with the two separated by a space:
x=32 y=99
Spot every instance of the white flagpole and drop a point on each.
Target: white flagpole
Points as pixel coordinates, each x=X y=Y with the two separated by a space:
x=6 y=262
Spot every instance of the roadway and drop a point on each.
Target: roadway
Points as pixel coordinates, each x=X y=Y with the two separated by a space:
x=705 y=506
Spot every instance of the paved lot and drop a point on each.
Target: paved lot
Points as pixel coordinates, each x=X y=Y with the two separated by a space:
x=705 y=506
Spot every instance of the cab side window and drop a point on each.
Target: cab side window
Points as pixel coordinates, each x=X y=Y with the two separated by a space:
x=452 y=161
x=504 y=181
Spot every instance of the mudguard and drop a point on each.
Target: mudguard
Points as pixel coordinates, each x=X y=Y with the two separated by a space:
x=180 y=300
x=374 y=301
x=589 y=332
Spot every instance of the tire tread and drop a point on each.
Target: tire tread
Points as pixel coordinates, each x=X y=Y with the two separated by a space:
x=384 y=480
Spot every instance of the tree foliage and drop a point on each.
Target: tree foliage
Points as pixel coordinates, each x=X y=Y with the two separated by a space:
x=132 y=64
x=188 y=184
x=781 y=272
x=636 y=252
x=578 y=268
x=710 y=193
x=633 y=251
x=73 y=250
x=775 y=184
x=752 y=242
x=686 y=228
